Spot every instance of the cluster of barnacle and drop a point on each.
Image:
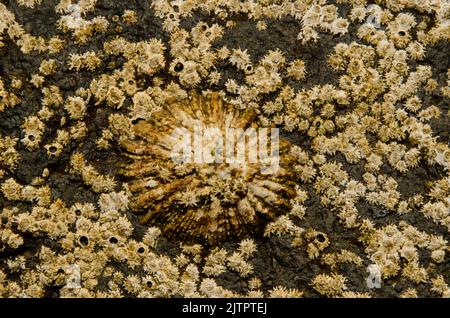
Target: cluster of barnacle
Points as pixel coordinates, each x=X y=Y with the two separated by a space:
x=102 y=237
x=313 y=17
x=87 y=60
x=193 y=57
x=28 y=3
x=378 y=94
x=343 y=256
x=36 y=192
x=99 y=182
x=73 y=21
x=8 y=99
x=24 y=40
x=9 y=156
x=394 y=248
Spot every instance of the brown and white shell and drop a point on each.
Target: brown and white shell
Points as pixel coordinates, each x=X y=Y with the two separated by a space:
x=205 y=202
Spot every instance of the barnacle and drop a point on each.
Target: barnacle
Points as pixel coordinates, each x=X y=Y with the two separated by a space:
x=197 y=199
x=129 y=17
x=88 y=60
x=9 y=157
x=329 y=285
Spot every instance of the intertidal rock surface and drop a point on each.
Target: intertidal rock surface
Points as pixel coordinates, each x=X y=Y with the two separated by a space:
x=118 y=175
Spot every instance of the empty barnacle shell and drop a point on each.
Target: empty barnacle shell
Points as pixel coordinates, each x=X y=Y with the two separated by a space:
x=54 y=149
x=203 y=191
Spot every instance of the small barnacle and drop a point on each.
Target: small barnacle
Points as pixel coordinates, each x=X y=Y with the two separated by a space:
x=202 y=34
x=115 y=97
x=438 y=256
x=52 y=96
x=231 y=86
x=297 y=70
x=11 y=190
x=403 y=207
x=209 y=287
x=318 y=241
x=31 y=139
x=331 y=285
x=28 y=3
x=351 y=294
x=129 y=17
x=261 y=25
x=115 y=46
x=430 y=85
x=223 y=53
x=308 y=34
x=215 y=262
x=237 y=263
x=37 y=80
x=339 y=26
x=151 y=236
x=440 y=287
x=143 y=106
x=247 y=247
x=290 y=122
x=48 y=67
x=357 y=13
x=220 y=199
x=11 y=240
x=104 y=141
x=187 y=72
x=76 y=107
x=87 y=210
x=132 y=284
x=171 y=23
x=239 y=58
x=113 y=201
x=16 y=83
x=120 y=125
x=328 y=13
x=214 y=78
x=146 y=56
x=283 y=292
x=399 y=34
x=282 y=225
x=54 y=149
x=15 y=30
x=409 y=293
x=100 y=183
x=78 y=131
x=416 y=50
x=9 y=157
x=254 y=283
x=413 y=272
x=413 y=104
x=55 y=45
x=33 y=129
x=264 y=80
x=273 y=60
x=230 y=24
